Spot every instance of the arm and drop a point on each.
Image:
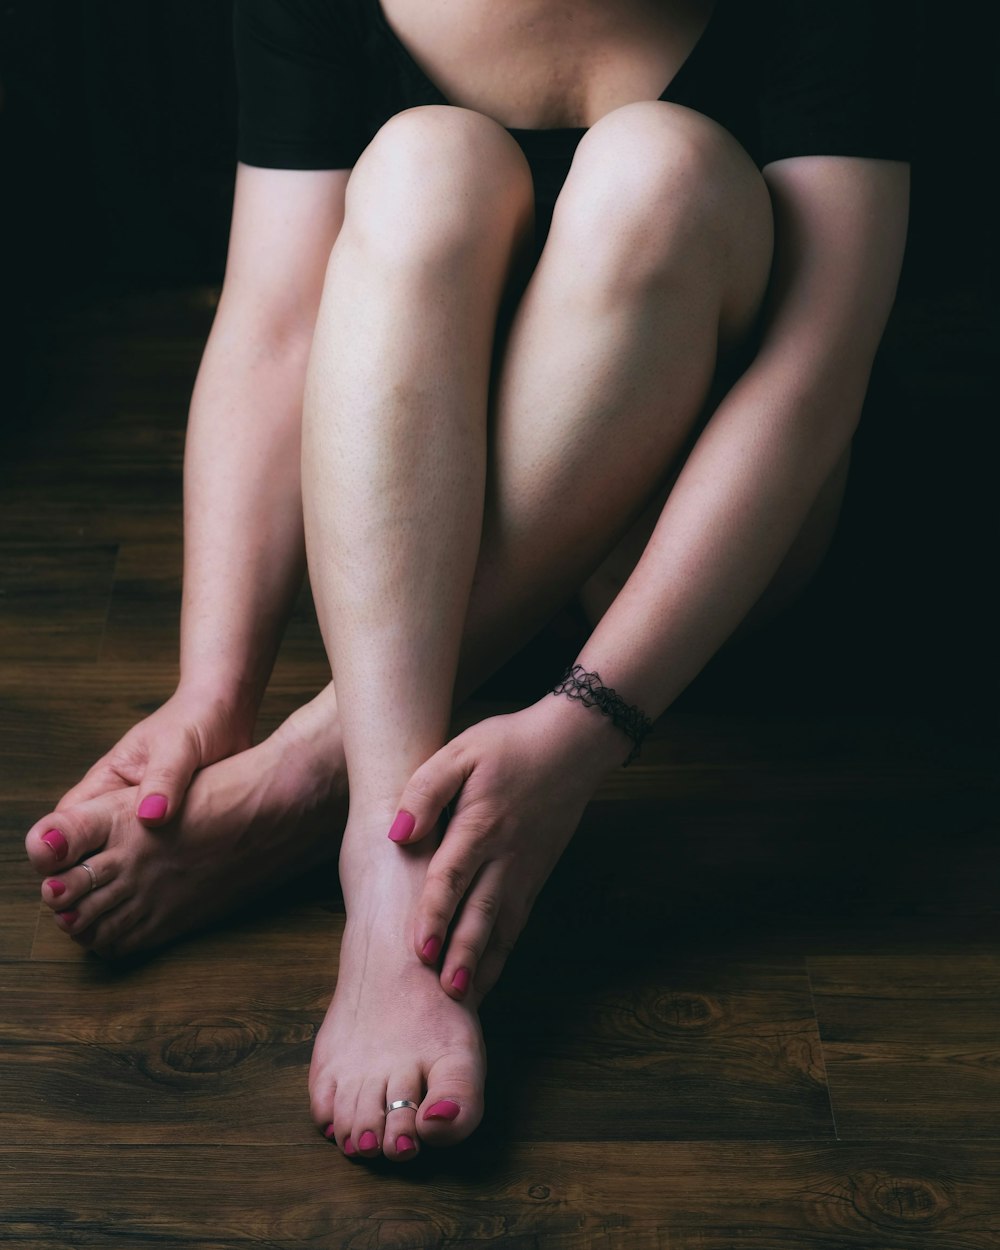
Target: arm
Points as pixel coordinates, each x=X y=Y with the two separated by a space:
x=244 y=549
x=765 y=453
x=243 y=543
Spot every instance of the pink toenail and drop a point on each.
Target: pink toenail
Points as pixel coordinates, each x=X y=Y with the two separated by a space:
x=405 y=1145
x=443 y=1110
x=152 y=807
x=402 y=826
x=349 y=1147
x=431 y=949
x=328 y=1132
x=460 y=981
x=368 y=1141
x=56 y=842
x=56 y=887
x=70 y=917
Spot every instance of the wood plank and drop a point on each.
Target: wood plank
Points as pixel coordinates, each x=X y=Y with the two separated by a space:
x=689 y=1050
x=911 y=1043
x=654 y=1049
x=19 y=883
x=565 y=1196
x=55 y=601
x=58 y=720
x=18 y=911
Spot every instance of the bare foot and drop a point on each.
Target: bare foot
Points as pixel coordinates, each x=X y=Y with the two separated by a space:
x=247 y=824
x=390 y=1033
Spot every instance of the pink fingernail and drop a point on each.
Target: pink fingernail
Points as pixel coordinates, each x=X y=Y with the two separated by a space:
x=460 y=981
x=152 y=807
x=328 y=1132
x=368 y=1141
x=56 y=842
x=405 y=1145
x=431 y=949
x=443 y=1110
x=349 y=1147
x=56 y=887
x=70 y=917
x=402 y=826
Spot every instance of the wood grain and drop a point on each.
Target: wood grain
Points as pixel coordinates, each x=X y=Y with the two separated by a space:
x=912 y=1043
x=54 y=601
x=530 y=1196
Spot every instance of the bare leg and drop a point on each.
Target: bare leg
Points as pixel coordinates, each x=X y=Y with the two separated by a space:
x=146 y=893
x=394 y=456
x=605 y=370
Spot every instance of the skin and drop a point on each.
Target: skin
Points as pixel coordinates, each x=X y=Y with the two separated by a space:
x=603 y=379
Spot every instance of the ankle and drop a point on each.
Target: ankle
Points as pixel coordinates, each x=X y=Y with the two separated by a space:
x=371 y=864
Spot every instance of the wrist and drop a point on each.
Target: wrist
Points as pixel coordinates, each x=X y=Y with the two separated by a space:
x=590 y=737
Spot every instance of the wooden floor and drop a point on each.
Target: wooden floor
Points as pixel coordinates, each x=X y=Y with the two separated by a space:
x=757 y=1006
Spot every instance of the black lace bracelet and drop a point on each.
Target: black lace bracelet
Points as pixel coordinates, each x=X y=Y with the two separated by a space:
x=591 y=691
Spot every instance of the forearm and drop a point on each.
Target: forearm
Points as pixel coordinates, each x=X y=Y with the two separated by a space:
x=243 y=549
x=734 y=512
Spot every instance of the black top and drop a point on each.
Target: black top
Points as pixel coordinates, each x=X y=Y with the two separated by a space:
x=318 y=78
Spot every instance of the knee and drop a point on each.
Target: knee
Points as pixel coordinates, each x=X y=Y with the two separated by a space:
x=655 y=185
x=437 y=179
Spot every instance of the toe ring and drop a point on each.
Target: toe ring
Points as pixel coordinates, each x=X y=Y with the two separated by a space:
x=400 y=1103
x=92 y=874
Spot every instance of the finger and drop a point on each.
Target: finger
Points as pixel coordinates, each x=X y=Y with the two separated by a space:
x=427 y=793
x=166 y=779
x=505 y=933
x=449 y=875
x=473 y=930
x=99 y=779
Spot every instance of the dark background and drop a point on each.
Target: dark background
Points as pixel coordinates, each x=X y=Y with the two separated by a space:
x=117 y=141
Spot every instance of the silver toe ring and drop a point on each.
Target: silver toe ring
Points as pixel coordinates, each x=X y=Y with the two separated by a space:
x=93 y=875
x=400 y=1103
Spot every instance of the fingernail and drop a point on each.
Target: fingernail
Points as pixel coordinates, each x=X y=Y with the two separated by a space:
x=460 y=981
x=349 y=1147
x=71 y=917
x=402 y=826
x=152 y=807
x=328 y=1133
x=56 y=887
x=443 y=1110
x=431 y=949
x=368 y=1141
x=405 y=1145
x=55 y=840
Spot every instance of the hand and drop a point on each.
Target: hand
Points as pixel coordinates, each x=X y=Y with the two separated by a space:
x=161 y=754
x=523 y=781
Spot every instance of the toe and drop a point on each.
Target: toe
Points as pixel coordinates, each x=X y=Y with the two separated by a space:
x=342 y=1118
x=399 y=1138
x=332 y=1103
x=454 y=1103
x=103 y=916
x=66 y=889
x=63 y=839
x=369 y=1118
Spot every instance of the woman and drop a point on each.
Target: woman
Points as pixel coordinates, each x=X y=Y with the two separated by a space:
x=541 y=329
